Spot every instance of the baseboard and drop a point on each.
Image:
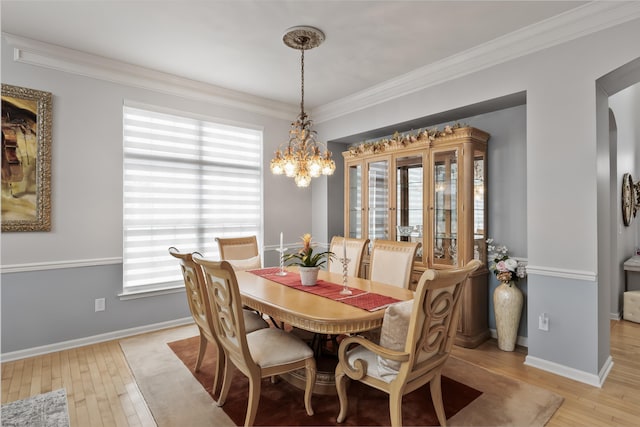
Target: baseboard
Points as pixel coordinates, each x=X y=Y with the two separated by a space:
x=81 y=342
x=574 y=374
x=615 y=316
x=521 y=341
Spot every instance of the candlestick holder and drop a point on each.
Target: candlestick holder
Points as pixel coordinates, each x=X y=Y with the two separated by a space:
x=345 y=288
x=282 y=271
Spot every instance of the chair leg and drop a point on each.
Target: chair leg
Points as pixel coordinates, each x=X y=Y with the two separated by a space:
x=436 y=397
x=395 y=409
x=201 y=349
x=310 y=368
x=254 y=400
x=341 y=386
x=226 y=382
x=219 y=370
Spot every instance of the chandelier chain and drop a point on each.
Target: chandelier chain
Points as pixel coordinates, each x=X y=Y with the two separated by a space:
x=302 y=81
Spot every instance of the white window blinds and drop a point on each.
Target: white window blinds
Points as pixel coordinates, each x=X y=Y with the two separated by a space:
x=186 y=181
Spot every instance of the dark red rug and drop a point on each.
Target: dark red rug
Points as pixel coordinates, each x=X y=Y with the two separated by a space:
x=282 y=404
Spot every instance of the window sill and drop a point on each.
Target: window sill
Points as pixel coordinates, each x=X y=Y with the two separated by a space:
x=151 y=293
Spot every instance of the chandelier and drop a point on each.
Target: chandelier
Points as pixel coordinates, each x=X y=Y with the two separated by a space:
x=303 y=157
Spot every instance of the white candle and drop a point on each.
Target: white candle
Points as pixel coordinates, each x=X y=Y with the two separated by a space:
x=281 y=244
x=344 y=248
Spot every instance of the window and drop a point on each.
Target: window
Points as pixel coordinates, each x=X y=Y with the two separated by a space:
x=186 y=182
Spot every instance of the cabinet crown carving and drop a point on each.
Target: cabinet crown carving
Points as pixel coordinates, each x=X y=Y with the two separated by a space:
x=416 y=139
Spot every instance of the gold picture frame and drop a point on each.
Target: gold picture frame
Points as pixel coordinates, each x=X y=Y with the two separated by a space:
x=26 y=159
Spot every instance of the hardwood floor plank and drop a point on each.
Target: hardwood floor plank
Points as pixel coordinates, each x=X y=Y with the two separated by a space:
x=7 y=374
x=79 y=393
x=90 y=393
x=35 y=385
x=67 y=382
x=56 y=371
x=15 y=380
x=25 y=384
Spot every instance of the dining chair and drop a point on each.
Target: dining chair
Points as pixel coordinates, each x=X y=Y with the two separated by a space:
x=241 y=252
x=355 y=249
x=257 y=355
x=200 y=311
x=415 y=342
x=392 y=262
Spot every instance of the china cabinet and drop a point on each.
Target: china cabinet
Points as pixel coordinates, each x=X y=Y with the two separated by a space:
x=427 y=187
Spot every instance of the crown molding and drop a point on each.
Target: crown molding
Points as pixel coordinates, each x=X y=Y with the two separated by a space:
x=578 y=22
x=34 y=52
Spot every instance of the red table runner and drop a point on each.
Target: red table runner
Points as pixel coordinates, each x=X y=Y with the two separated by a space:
x=362 y=299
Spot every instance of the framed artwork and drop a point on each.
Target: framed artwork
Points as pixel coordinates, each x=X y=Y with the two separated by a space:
x=26 y=159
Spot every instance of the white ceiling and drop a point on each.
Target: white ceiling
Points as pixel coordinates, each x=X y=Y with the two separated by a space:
x=237 y=44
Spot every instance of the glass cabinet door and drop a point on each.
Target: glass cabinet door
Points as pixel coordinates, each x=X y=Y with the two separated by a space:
x=479 y=207
x=410 y=199
x=378 y=179
x=354 y=200
x=445 y=207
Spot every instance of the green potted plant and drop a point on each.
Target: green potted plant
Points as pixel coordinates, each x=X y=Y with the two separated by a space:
x=309 y=263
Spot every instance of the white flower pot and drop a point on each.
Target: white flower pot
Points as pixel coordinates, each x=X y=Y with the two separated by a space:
x=309 y=275
x=507 y=306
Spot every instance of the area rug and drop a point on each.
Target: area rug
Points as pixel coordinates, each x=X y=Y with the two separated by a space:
x=175 y=397
x=367 y=406
x=44 y=410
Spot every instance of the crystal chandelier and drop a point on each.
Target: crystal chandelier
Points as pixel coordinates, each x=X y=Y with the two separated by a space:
x=303 y=157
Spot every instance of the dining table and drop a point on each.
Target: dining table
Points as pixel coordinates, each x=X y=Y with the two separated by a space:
x=319 y=309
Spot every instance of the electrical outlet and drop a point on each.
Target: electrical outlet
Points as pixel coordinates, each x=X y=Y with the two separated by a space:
x=99 y=304
x=543 y=322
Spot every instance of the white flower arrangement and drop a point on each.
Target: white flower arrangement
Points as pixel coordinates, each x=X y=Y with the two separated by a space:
x=502 y=265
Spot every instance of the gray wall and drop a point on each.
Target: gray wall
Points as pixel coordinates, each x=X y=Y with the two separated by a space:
x=51 y=306
x=507 y=184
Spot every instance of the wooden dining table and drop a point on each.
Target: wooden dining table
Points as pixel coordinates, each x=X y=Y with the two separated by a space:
x=298 y=308
x=312 y=312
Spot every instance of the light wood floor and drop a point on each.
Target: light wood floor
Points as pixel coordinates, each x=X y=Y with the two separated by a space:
x=102 y=392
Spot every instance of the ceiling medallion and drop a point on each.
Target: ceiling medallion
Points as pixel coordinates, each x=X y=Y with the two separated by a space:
x=303 y=157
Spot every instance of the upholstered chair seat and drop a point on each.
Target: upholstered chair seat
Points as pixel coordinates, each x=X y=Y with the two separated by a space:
x=289 y=349
x=253 y=321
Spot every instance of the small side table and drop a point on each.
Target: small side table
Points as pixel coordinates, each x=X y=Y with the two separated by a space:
x=631 y=307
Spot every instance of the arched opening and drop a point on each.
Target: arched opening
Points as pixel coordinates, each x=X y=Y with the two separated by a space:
x=618 y=103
